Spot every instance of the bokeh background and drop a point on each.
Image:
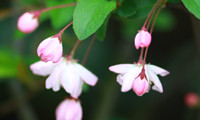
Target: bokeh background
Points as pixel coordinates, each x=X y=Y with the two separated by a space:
x=175 y=47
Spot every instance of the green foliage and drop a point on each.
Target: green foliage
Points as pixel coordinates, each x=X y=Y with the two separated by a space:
x=173 y=1
x=193 y=6
x=127 y=8
x=101 y=32
x=8 y=63
x=89 y=16
x=62 y=16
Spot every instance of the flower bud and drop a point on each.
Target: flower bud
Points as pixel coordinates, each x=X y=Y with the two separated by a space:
x=191 y=99
x=50 y=49
x=140 y=86
x=69 y=109
x=28 y=22
x=142 y=39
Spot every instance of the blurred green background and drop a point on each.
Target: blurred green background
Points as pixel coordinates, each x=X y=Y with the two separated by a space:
x=175 y=47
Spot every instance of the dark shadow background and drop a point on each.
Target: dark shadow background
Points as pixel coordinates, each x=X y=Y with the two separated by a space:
x=23 y=96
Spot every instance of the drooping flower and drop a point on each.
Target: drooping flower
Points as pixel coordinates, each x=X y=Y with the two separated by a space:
x=139 y=79
x=28 y=22
x=69 y=109
x=191 y=99
x=50 y=49
x=66 y=73
x=142 y=39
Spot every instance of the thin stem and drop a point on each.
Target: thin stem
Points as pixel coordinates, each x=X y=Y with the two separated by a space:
x=56 y=7
x=141 y=54
x=156 y=15
x=151 y=16
x=151 y=12
x=88 y=50
x=73 y=49
x=145 y=54
x=65 y=27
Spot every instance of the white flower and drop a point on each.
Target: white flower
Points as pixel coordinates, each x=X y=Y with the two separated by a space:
x=66 y=73
x=133 y=76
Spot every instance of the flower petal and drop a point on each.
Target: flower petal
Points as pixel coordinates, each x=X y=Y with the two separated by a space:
x=129 y=77
x=157 y=84
x=121 y=68
x=158 y=70
x=71 y=81
x=86 y=75
x=120 y=79
x=42 y=68
x=53 y=81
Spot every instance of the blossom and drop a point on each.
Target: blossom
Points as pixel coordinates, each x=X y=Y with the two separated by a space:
x=191 y=99
x=50 y=49
x=138 y=78
x=28 y=21
x=66 y=73
x=142 y=39
x=69 y=109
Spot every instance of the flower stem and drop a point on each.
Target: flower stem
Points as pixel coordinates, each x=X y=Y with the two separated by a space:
x=73 y=49
x=61 y=31
x=156 y=15
x=88 y=50
x=141 y=54
x=151 y=13
x=56 y=7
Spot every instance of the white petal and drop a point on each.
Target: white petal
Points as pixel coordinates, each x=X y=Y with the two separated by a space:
x=158 y=70
x=154 y=78
x=121 y=68
x=71 y=81
x=86 y=75
x=43 y=68
x=129 y=77
x=53 y=81
x=120 y=79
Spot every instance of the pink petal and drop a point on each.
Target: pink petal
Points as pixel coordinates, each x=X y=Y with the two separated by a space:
x=86 y=75
x=129 y=77
x=121 y=68
x=157 y=84
x=27 y=23
x=140 y=87
x=158 y=70
x=42 y=68
x=69 y=109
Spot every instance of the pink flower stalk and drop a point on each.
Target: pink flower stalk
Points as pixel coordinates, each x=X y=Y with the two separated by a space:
x=142 y=39
x=28 y=22
x=50 y=49
x=66 y=73
x=191 y=99
x=69 y=109
x=133 y=76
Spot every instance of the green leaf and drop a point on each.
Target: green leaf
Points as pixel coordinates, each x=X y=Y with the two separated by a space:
x=193 y=6
x=127 y=8
x=89 y=16
x=62 y=16
x=101 y=32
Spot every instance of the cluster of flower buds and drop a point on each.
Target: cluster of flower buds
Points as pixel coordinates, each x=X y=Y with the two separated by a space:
x=140 y=75
x=63 y=72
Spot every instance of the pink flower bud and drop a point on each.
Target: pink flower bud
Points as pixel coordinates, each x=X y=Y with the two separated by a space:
x=50 y=49
x=142 y=39
x=28 y=22
x=69 y=109
x=191 y=99
x=140 y=86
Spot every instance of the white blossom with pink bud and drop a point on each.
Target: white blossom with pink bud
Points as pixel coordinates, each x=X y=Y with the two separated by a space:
x=50 y=49
x=142 y=39
x=133 y=76
x=66 y=73
x=28 y=22
x=69 y=109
